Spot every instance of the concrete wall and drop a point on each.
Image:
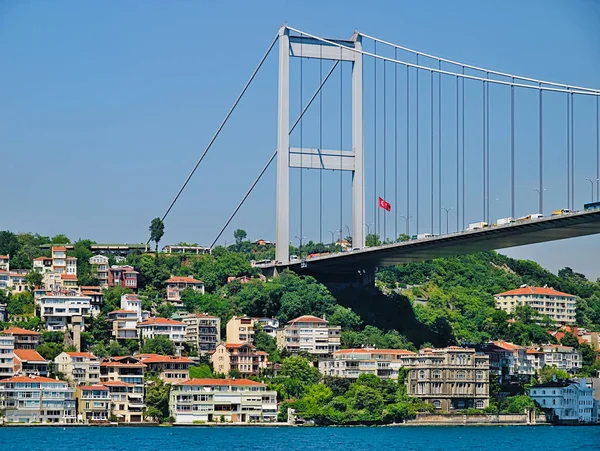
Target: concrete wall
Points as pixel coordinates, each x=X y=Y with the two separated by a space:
x=424 y=418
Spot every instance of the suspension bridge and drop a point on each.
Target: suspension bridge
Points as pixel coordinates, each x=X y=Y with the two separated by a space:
x=428 y=136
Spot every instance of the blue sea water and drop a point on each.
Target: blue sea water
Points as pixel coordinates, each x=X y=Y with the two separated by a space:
x=291 y=439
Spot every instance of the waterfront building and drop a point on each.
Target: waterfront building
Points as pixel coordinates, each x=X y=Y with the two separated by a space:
x=173 y=330
x=7 y=356
x=36 y=399
x=568 y=401
x=310 y=334
x=30 y=362
x=203 y=332
x=351 y=363
x=93 y=403
x=80 y=368
x=176 y=285
x=168 y=368
x=24 y=338
x=508 y=361
x=559 y=307
x=222 y=400
x=449 y=378
x=124 y=377
x=240 y=357
x=124 y=324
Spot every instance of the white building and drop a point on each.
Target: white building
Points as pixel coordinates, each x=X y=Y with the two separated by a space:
x=7 y=356
x=562 y=357
x=37 y=399
x=124 y=324
x=4 y=280
x=5 y=263
x=59 y=262
x=132 y=303
x=173 y=330
x=311 y=334
x=230 y=400
x=559 y=307
x=569 y=401
x=100 y=269
x=58 y=311
x=351 y=363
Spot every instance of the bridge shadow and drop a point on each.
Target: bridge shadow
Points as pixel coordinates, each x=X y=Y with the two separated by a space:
x=392 y=312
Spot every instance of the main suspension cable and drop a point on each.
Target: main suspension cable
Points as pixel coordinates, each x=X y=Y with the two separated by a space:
x=262 y=60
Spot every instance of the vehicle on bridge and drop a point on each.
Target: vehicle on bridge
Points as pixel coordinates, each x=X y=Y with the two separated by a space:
x=591 y=206
x=319 y=254
x=477 y=226
x=562 y=211
x=529 y=217
x=504 y=221
x=260 y=263
x=420 y=236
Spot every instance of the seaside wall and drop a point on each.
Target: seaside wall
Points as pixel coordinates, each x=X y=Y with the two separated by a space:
x=453 y=419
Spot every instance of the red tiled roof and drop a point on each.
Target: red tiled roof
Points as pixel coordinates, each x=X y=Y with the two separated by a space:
x=39 y=259
x=261 y=353
x=307 y=319
x=116 y=384
x=4 y=257
x=228 y=382
x=81 y=354
x=29 y=355
x=238 y=345
x=533 y=351
x=31 y=379
x=507 y=346
x=58 y=248
x=19 y=331
x=137 y=364
x=534 y=290
x=177 y=279
x=166 y=359
x=122 y=311
x=68 y=276
x=167 y=321
x=93 y=387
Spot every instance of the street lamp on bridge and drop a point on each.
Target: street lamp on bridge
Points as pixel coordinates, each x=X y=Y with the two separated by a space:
x=406 y=218
x=592 y=182
x=447 y=210
x=300 y=239
x=333 y=232
x=368 y=226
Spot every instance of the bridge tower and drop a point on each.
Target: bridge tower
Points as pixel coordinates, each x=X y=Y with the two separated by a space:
x=300 y=46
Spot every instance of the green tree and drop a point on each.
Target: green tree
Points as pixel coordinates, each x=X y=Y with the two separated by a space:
x=60 y=239
x=82 y=250
x=345 y=317
x=157 y=230
x=159 y=345
x=115 y=349
x=372 y=240
x=517 y=404
x=157 y=399
x=201 y=372
x=569 y=340
x=9 y=243
x=550 y=372
x=34 y=279
x=239 y=235
x=299 y=368
x=50 y=351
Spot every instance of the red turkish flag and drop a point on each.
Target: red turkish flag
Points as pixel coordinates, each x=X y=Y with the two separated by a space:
x=385 y=205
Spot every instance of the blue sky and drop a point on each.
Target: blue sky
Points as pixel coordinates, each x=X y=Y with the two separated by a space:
x=105 y=107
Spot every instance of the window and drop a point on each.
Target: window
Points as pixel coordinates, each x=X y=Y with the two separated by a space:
x=437 y=404
x=479 y=404
x=422 y=374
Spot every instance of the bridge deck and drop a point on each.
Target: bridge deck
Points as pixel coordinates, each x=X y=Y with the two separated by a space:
x=497 y=237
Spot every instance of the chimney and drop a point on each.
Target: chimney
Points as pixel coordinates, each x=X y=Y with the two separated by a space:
x=77 y=321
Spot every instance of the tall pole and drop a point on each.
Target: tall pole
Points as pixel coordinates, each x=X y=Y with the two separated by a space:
x=282 y=250
x=406 y=218
x=447 y=210
x=592 y=182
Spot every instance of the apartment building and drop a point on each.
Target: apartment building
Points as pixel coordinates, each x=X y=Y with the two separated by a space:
x=222 y=400
x=240 y=357
x=59 y=262
x=351 y=363
x=36 y=399
x=177 y=249
x=508 y=361
x=30 y=362
x=563 y=357
x=130 y=302
x=559 y=307
x=17 y=280
x=124 y=377
x=80 y=368
x=100 y=267
x=240 y=329
x=123 y=276
x=449 y=378
x=63 y=311
x=23 y=338
x=4 y=280
x=311 y=334
x=96 y=298
x=570 y=402
x=5 y=263
x=203 y=332
x=93 y=403
x=168 y=368
x=173 y=330
x=176 y=285
x=124 y=324
x=536 y=358
x=7 y=356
